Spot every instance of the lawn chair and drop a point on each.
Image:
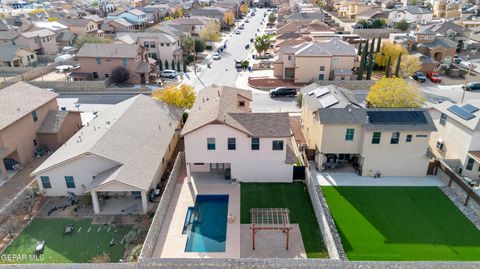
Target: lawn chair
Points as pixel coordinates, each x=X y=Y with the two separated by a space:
x=68 y=230
x=40 y=247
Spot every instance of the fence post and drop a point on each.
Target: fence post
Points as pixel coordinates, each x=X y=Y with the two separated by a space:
x=468 y=197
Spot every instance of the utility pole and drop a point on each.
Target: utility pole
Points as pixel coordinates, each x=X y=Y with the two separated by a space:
x=466 y=81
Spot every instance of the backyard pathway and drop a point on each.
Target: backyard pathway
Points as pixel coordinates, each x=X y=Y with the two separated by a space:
x=19 y=181
x=351 y=179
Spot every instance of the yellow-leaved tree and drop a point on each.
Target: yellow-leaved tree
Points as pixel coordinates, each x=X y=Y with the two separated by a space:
x=409 y=65
x=394 y=93
x=211 y=32
x=389 y=50
x=244 y=8
x=182 y=95
x=228 y=18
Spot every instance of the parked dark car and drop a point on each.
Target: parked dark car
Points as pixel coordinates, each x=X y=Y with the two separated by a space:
x=420 y=76
x=283 y=91
x=457 y=59
x=238 y=64
x=247 y=46
x=472 y=86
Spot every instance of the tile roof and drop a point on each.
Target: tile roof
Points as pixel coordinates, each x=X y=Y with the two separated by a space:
x=136 y=12
x=416 y=10
x=19 y=100
x=159 y=36
x=39 y=33
x=77 y=22
x=218 y=104
x=439 y=42
x=333 y=47
x=150 y=123
x=8 y=35
x=9 y=52
x=108 y=50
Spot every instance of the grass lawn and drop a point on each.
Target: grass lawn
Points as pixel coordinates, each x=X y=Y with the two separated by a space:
x=401 y=223
x=293 y=196
x=80 y=247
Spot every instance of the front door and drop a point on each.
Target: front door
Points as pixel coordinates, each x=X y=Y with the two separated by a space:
x=217 y=167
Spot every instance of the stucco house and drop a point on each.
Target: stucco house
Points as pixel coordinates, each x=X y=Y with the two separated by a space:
x=319 y=60
x=81 y=26
x=16 y=56
x=444 y=9
x=134 y=16
x=41 y=41
x=343 y=134
x=97 y=61
x=216 y=13
x=158 y=45
x=224 y=138
x=412 y=15
x=457 y=140
x=23 y=118
x=121 y=154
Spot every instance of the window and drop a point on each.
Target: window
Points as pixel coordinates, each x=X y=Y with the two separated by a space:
x=289 y=57
x=277 y=145
x=241 y=103
x=409 y=138
x=34 y=115
x=349 y=134
x=443 y=119
x=70 y=182
x=376 y=137
x=168 y=44
x=322 y=68
x=35 y=142
x=161 y=44
x=439 y=145
x=107 y=75
x=95 y=75
x=423 y=136
x=152 y=44
x=99 y=61
x=211 y=143
x=255 y=143
x=146 y=44
x=470 y=163
x=46 y=182
x=231 y=143
x=395 y=138
x=124 y=61
x=321 y=77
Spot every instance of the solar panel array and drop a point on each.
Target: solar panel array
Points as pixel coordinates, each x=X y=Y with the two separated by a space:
x=328 y=101
x=319 y=92
x=470 y=108
x=396 y=117
x=461 y=112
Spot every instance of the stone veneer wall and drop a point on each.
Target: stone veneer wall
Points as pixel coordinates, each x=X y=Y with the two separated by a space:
x=16 y=201
x=154 y=231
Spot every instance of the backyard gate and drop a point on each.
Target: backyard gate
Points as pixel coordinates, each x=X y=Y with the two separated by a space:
x=298 y=172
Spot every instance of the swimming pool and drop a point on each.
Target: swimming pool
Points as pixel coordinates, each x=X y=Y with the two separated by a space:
x=206 y=224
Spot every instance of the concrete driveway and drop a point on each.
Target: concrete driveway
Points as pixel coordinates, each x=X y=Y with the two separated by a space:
x=351 y=179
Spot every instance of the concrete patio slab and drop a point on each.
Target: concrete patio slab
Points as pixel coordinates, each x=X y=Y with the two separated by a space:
x=271 y=244
x=352 y=179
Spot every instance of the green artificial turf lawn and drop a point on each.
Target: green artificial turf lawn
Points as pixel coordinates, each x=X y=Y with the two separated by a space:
x=401 y=223
x=80 y=247
x=293 y=196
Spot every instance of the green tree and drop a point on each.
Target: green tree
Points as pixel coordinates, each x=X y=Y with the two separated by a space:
x=91 y=39
x=173 y=64
x=178 y=66
x=394 y=93
x=359 y=52
x=166 y=64
x=363 y=61
x=160 y=64
x=272 y=18
x=379 y=43
x=370 y=65
x=402 y=25
x=199 y=45
x=387 y=67
x=184 y=66
x=189 y=44
x=262 y=43
x=397 y=67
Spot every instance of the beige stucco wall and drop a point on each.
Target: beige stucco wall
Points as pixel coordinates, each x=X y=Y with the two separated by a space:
x=47 y=44
x=70 y=126
x=19 y=136
x=308 y=68
x=89 y=65
x=402 y=159
x=264 y=165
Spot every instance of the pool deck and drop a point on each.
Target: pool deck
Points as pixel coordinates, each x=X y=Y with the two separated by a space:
x=171 y=242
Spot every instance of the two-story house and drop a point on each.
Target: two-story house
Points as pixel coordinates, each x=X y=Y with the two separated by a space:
x=319 y=60
x=410 y=14
x=28 y=115
x=444 y=9
x=222 y=136
x=16 y=56
x=457 y=140
x=343 y=134
x=41 y=41
x=97 y=61
x=158 y=45
x=81 y=26
x=134 y=16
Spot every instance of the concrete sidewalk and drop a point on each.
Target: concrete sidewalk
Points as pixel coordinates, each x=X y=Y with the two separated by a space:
x=351 y=179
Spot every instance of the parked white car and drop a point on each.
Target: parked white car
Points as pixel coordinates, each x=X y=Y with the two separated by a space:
x=216 y=56
x=168 y=73
x=237 y=32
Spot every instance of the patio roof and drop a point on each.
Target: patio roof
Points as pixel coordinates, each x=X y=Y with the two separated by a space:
x=270 y=218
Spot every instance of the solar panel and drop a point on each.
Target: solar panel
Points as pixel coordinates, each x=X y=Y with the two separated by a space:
x=321 y=91
x=397 y=117
x=328 y=101
x=461 y=112
x=470 y=108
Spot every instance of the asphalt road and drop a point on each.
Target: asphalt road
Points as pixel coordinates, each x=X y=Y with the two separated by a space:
x=223 y=71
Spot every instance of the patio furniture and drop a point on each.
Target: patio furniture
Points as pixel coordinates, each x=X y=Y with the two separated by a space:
x=40 y=247
x=68 y=229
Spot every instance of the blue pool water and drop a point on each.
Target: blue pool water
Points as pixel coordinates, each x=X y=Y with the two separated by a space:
x=206 y=224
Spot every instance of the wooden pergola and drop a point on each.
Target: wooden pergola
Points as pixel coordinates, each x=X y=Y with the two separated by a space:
x=270 y=219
